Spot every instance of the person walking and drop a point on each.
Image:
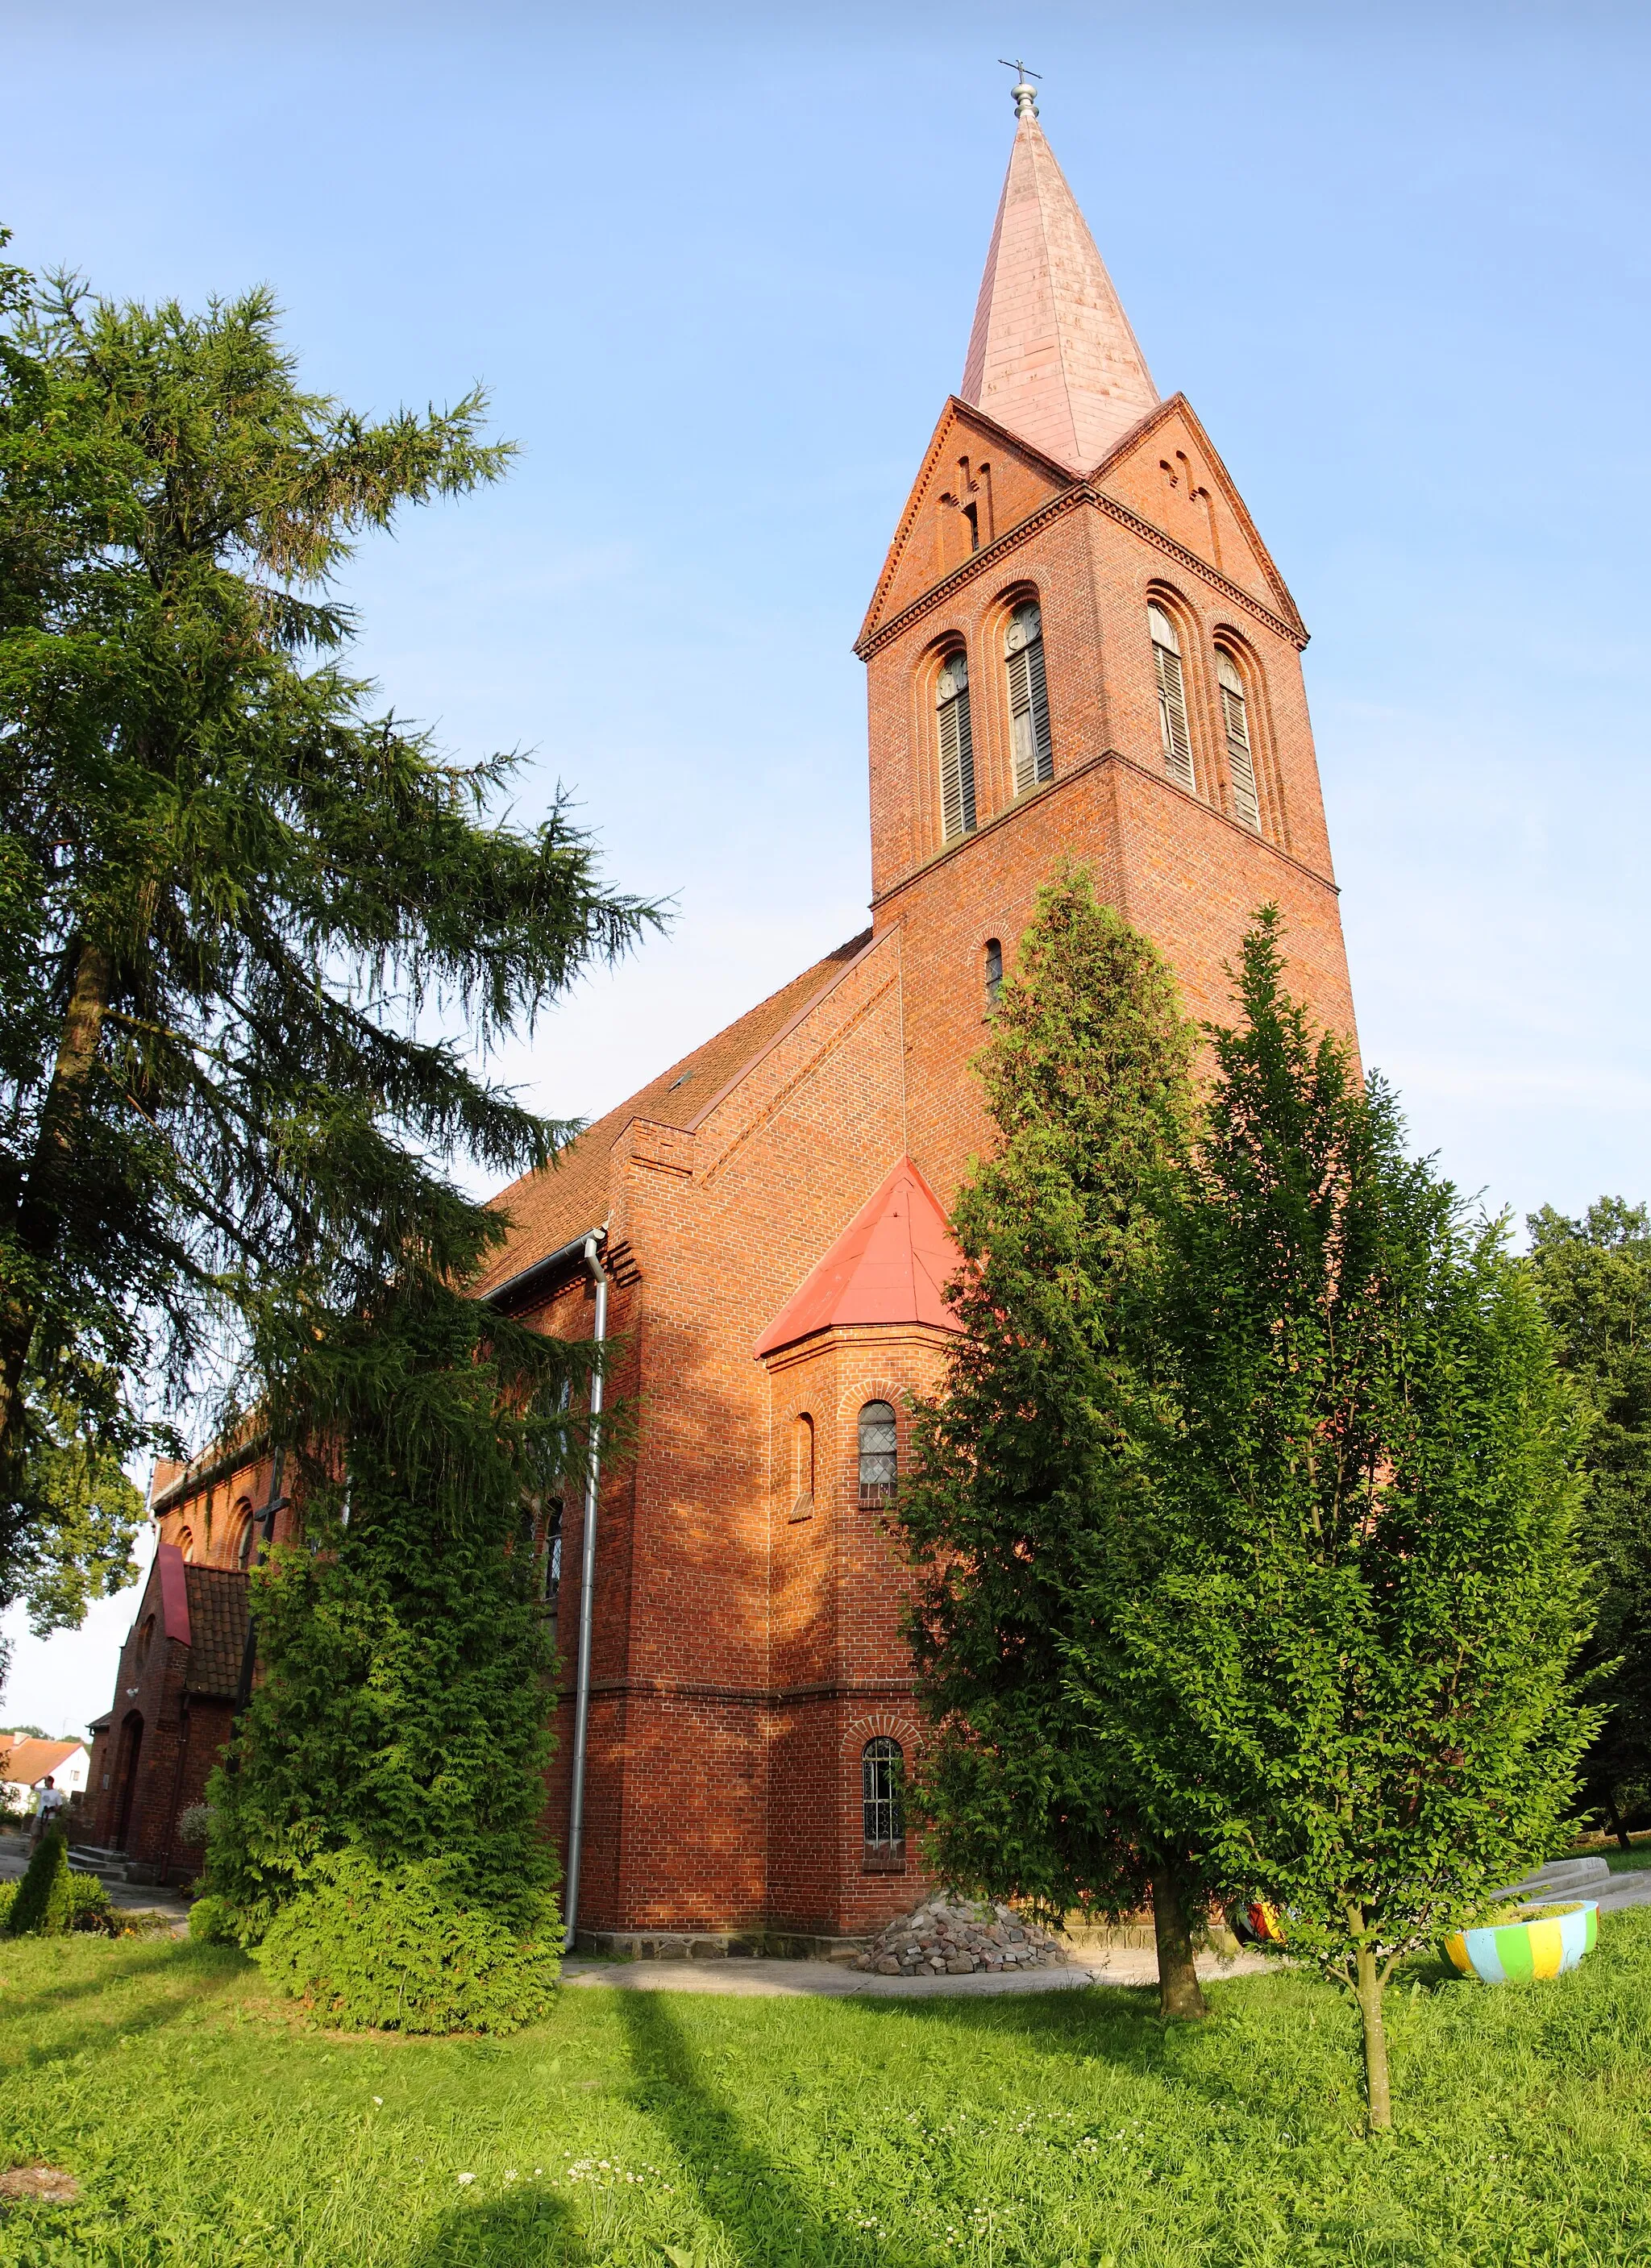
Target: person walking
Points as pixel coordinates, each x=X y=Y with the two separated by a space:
x=48 y=1801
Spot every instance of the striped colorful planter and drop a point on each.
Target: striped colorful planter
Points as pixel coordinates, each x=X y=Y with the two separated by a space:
x=1526 y=1948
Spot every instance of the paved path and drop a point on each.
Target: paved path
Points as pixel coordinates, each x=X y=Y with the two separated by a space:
x=758 y=1979
x=130 y=1898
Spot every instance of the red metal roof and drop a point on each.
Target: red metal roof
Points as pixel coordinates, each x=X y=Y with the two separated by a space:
x=890 y=1265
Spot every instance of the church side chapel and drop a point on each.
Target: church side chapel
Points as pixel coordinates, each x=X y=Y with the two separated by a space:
x=1077 y=646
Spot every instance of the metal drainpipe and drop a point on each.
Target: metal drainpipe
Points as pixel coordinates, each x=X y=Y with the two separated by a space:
x=587 y=1597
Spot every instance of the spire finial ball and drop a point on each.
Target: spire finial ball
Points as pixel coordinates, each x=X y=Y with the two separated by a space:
x=1025 y=100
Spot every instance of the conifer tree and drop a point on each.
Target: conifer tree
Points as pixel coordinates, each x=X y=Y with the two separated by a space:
x=236 y=897
x=42 y=1906
x=1349 y=1651
x=1594 y=1277
x=403 y=1710
x=1030 y=1475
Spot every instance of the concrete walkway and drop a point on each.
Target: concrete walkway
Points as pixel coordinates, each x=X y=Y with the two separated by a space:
x=759 y=1979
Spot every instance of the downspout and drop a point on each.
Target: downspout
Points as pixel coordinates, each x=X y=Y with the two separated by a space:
x=587 y=1594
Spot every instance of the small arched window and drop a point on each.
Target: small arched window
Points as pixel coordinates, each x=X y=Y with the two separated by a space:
x=145 y=1638
x=1172 y=697
x=1241 y=757
x=882 y=1808
x=878 y=1453
x=802 y=1467
x=957 y=748
x=186 y=1542
x=994 y=971
x=1029 y=697
x=246 y=1533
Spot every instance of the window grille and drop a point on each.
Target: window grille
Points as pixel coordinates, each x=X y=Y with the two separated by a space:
x=882 y=1798
x=879 y=1453
x=994 y=971
x=957 y=748
x=1028 y=698
x=1240 y=762
x=1172 y=697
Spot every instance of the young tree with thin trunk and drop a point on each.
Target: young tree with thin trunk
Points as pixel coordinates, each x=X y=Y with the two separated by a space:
x=237 y=899
x=1028 y=1464
x=1348 y=1653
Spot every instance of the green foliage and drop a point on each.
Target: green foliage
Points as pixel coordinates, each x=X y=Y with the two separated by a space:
x=236 y=898
x=211 y=1921
x=42 y=1906
x=1028 y=1464
x=399 y=1949
x=404 y=1702
x=1594 y=1277
x=1351 y=1641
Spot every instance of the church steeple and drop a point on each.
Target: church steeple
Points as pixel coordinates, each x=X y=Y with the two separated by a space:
x=1051 y=357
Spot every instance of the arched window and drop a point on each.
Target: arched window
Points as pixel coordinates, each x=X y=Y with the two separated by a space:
x=246 y=1533
x=145 y=1638
x=1172 y=697
x=878 y=1453
x=1241 y=758
x=1029 y=697
x=994 y=971
x=186 y=1542
x=957 y=748
x=802 y=1467
x=882 y=1808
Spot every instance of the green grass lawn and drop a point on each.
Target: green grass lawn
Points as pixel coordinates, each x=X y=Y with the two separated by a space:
x=210 y=2130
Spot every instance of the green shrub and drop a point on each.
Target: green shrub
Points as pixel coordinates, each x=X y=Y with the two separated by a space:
x=42 y=1906
x=370 y=1947
x=86 y=1905
x=210 y=1922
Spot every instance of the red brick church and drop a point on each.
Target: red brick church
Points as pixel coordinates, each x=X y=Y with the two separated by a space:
x=1077 y=645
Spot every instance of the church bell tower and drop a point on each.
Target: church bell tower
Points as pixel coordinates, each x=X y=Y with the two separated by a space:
x=1079 y=647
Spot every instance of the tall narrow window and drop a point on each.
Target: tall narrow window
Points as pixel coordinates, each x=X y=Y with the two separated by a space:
x=882 y=1808
x=994 y=971
x=1028 y=698
x=553 y=1557
x=1241 y=760
x=957 y=748
x=803 y=1468
x=1172 y=697
x=878 y=1453
x=246 y=1533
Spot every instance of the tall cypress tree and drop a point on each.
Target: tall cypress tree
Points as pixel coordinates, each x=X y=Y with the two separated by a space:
x=1348 y=1656
x=1030 y=1476
x=403 y=1708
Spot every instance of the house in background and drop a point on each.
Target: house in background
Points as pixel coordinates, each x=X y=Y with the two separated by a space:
x=24 y=1764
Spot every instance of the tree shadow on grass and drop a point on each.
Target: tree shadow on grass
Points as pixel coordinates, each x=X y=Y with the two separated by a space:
x=754 y=2199
x=532 y=2230
x=57 y=2004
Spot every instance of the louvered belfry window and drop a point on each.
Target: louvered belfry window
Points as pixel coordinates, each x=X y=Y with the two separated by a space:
x=957 y=748
x=1172 y=697
x=1241 y=760
x=1029 y=697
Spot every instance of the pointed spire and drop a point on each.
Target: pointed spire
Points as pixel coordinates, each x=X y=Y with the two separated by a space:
x=1051 y=356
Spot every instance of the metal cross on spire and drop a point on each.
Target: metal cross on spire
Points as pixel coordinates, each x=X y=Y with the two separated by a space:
x=1025 y=93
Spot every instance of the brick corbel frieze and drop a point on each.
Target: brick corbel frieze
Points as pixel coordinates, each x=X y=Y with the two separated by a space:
x=992 y=556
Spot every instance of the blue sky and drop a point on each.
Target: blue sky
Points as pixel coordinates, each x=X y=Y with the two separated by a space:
x=717 y=265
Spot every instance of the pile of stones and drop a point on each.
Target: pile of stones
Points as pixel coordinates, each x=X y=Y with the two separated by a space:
x=947 y=1938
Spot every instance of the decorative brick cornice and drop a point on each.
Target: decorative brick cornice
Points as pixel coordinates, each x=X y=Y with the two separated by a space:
x=747 y=1697
x=964 y=843
x=993 y=555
